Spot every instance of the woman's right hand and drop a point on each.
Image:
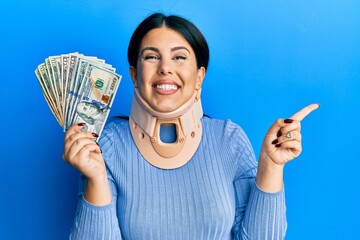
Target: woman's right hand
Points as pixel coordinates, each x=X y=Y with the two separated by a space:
x=83 y=153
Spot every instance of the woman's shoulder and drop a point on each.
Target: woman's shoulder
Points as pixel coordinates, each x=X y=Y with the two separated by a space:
x=117 y=121
x=231 y=138
x=227 y=132
x=225 y=125
x=116 y=124
x=114 y=127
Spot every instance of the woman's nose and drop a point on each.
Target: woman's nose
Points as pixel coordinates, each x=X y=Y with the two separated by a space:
x=165 y=67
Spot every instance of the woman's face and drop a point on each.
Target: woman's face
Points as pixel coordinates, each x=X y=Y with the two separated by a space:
x=167 y=74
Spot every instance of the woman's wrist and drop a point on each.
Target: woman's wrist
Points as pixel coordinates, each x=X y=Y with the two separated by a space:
x=97 y=191
x=269 y=176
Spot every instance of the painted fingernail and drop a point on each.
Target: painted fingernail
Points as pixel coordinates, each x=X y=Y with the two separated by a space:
x=81 y=124
x=288 y=121
x=95 y=135
x=279 y=134
x=275 y=141
x=278 y=145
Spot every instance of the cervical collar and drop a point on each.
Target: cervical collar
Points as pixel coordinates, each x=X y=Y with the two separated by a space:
x=145 y=125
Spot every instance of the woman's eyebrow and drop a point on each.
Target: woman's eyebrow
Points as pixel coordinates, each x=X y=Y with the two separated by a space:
x=149 y=48
x=179 y=48
x=158 y=51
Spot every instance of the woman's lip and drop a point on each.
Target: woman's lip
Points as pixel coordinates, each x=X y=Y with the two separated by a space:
x=163 y=81
x=166 y=87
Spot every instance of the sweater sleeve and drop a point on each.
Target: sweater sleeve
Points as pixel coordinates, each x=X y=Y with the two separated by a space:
x=258 y=215
x=97 y=222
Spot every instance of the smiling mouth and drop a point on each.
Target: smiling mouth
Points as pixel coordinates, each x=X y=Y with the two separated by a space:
x=166 y=87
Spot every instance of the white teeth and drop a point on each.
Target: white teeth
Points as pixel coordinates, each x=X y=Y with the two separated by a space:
x=166 y=86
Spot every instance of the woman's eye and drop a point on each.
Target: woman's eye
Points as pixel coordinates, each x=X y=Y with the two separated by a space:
x=151 y=57
x=179 y=58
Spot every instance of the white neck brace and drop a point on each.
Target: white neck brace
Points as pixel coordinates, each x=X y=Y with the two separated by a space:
x=145 y=125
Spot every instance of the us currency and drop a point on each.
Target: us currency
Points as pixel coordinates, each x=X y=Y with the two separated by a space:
x=95 y=97
x=74 y=91
x=80 y=80
x=47 y=96
x=49 y=91
x=72 y=66
x=76 y=71
x=78 y=88
x=65 y=65
x=64 y=59
x=55 y=85
x=55 y=63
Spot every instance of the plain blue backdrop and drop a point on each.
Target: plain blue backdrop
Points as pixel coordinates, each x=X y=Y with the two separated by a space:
x=268 y=60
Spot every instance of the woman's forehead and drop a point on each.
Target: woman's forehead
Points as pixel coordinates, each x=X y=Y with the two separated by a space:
x=163 y=37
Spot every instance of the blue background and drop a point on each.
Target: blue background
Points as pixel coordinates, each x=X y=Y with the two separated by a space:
x=268 y=60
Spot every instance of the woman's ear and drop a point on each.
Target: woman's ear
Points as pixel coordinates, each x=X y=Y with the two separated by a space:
x=133 y=74
x=200 y=77
x=199 y=80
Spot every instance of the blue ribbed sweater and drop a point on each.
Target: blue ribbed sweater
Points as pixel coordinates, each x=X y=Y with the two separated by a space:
x=213 y=196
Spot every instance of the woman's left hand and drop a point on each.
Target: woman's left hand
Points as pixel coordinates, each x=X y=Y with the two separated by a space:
x=282 y=142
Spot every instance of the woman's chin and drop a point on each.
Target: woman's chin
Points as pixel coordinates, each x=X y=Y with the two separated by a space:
x=164 y=108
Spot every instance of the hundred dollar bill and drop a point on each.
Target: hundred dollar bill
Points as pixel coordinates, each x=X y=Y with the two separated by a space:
x=65 y=67
x=47 y=86
x=73 y=93
x=64 y=71
x=80 y=80
x=55 y=63
x=78 y=88
x=77 y=67
x=72 y=66
x=96 y=97
x=47 y=97
x=54 y=81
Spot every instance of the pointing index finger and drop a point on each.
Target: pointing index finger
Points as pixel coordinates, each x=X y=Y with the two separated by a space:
x=300 y=115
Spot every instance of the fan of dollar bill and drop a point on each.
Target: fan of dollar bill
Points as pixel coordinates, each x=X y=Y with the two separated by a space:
x=78 y=89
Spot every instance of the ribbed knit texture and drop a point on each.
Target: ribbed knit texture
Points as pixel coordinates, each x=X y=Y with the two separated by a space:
x=213 y=196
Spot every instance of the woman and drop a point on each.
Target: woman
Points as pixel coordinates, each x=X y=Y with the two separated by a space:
x=169 y=172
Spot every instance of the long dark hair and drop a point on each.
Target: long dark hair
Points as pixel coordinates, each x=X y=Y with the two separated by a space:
x=184 y=27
